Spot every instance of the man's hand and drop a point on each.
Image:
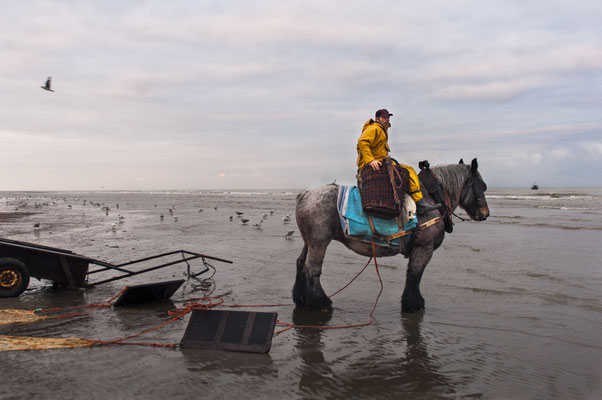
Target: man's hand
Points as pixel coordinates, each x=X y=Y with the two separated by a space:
x=375 y=164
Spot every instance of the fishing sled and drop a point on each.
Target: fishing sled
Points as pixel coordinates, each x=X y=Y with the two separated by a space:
x=21 y=260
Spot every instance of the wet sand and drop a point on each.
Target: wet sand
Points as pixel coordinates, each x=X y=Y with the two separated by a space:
x=513 y=305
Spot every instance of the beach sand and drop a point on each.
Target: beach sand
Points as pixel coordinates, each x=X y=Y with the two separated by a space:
x=513 y=304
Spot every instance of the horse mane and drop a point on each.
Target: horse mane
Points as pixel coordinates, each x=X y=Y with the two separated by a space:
x=452 y=178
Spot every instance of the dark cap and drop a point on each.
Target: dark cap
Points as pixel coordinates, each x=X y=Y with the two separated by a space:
x=383 y=113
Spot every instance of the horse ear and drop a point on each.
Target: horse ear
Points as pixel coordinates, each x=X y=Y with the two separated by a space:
x=461 y=161
x=474 y=165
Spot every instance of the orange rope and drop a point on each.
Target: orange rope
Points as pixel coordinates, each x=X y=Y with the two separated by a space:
x=178 y=313
x=290 y=326
x=92 y=306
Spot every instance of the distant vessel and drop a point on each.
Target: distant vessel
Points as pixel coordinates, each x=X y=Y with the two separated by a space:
x=534 y=186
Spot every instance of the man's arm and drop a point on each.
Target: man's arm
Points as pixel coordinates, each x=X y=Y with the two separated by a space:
x=363 y=147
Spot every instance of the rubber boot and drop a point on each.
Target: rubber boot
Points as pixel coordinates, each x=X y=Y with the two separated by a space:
x=424 y=207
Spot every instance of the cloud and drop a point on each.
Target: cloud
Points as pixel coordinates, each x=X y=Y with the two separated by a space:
x=591 y=149
x=275 y=93
x=488 y=91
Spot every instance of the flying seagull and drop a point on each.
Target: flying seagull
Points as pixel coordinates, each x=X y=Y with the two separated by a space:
x=47 y=84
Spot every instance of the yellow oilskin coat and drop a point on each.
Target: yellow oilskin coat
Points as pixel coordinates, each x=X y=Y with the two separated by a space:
x=373 y=144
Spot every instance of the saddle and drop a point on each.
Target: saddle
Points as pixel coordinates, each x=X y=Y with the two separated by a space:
x=359 y=226
x=383 y=191
x=432 y=186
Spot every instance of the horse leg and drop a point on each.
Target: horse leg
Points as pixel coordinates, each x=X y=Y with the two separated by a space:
x=307 y=290
x=411 y=300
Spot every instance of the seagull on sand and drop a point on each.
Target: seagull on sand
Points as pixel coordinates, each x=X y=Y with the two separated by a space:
x=244 y=221
x=286 y=218
x=239 y=212
x=289 y=235
x=47 y=84
x=258 y=226
x=230 y=218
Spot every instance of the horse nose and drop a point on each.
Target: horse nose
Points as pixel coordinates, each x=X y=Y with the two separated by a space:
x=483 y=213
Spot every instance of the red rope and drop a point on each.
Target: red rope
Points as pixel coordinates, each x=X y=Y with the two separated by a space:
x=206 y=303
x=92 y=307
x=290 y=326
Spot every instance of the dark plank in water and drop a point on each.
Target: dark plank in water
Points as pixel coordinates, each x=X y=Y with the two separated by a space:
x=230 y=330
x=150 y=292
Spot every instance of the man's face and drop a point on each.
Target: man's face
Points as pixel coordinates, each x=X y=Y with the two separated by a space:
x=384 y=120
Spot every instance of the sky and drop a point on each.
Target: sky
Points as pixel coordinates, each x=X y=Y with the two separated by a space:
x=273 y=94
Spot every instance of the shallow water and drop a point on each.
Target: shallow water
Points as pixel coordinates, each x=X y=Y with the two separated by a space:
x=513 y=304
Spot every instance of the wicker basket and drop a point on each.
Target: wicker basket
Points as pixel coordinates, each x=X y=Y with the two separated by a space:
x=376 y=190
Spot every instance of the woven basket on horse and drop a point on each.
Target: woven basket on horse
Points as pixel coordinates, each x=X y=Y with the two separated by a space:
x=382 y=191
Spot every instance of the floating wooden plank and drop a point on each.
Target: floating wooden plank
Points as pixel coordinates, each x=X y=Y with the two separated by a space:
x=230 y=330
x=150 y=292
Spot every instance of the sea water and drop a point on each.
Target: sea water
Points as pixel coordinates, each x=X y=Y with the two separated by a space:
x=513 y=303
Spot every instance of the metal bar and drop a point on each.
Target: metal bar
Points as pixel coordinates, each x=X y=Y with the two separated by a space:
x=27 y=244
x=149 y=258
x=145 y=270
x=59 y=253
x=106 y=268
x=109 y=266
x=170 y=253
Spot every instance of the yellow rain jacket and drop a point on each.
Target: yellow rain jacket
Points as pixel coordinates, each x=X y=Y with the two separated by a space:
x=373 y=144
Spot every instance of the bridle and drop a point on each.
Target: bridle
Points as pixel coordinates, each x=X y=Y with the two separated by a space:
x=478 y=189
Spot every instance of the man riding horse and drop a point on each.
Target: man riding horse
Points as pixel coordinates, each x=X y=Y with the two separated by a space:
x=373 y=147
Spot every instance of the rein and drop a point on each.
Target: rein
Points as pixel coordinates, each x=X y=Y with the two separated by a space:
x=457 y=216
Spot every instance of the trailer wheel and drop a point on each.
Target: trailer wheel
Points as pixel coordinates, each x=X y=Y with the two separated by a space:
x=14 y=277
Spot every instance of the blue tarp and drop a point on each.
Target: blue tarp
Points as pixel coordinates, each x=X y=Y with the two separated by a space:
x=355 y=222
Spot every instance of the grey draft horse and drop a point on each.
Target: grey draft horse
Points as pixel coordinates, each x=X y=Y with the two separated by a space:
x=319 y=224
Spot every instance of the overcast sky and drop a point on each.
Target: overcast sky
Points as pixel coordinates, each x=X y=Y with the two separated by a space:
x=273 y=94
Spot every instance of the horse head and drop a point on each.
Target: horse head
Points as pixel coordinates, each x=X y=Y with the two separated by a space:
x=472 y=197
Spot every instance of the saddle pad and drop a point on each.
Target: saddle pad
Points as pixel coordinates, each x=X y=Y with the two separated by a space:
x=355 y=222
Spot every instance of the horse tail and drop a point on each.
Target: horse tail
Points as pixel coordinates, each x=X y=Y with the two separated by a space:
x=301 y=195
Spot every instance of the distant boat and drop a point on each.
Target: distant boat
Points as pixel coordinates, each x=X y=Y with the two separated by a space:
x=534 y=186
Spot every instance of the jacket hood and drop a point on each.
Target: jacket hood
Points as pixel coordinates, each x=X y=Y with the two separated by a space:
x=372 y=122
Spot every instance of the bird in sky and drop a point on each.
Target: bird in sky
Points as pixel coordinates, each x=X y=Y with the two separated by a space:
x=47 y=84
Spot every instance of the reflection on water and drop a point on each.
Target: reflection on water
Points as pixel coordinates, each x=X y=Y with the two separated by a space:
x=378 y=367
x=315 y=374
x=229 y=362
x=423 y=371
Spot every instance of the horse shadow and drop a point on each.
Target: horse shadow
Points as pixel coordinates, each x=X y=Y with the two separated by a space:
x=389 y=369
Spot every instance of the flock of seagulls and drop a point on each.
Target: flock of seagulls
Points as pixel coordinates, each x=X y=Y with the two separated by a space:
x=121 y=219
x=244 y=221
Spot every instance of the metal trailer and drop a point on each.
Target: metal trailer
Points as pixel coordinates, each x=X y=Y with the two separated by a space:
x=21 y=260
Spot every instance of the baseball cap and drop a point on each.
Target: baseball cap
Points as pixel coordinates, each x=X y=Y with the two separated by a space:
x=383 y=112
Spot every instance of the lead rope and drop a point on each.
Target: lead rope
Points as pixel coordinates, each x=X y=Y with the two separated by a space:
x=392 y=171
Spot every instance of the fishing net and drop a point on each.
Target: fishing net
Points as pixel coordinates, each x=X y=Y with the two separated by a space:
x=12 y=316
x=8 y=343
